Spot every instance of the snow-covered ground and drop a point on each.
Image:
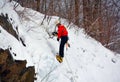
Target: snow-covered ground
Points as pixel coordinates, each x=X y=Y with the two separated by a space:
x=85 y=61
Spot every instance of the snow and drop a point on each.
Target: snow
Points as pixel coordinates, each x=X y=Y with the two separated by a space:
x=85 y=61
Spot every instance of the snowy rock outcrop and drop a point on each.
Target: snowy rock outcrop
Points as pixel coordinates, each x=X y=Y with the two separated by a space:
x=4 y=22
x=14 y=70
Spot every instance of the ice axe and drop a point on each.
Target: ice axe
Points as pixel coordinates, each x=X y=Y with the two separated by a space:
x=54 y=33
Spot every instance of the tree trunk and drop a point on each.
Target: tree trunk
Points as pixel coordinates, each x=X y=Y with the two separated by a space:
x=38 y=5
x=86 y=13
x=77 y=12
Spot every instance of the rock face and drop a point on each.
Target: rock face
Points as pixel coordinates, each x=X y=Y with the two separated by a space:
x=7 y=25
x=14 y=70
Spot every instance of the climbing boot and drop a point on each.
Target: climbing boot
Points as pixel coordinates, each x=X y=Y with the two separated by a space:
x=60 y=59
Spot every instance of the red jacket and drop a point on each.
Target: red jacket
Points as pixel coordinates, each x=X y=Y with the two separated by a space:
x=62 y=31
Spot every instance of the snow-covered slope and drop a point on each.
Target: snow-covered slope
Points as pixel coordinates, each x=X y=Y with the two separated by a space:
x=85 y=61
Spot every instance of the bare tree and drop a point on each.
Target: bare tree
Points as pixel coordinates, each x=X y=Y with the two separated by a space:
x=38 y=5
x=77 y=12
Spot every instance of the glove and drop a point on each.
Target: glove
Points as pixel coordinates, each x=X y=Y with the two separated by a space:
x=54 y=33
x=57 y=39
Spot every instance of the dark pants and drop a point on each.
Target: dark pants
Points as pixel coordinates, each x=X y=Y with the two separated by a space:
x=64 y=40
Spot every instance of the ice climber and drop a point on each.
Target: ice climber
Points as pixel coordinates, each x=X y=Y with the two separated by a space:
x=62 y=34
